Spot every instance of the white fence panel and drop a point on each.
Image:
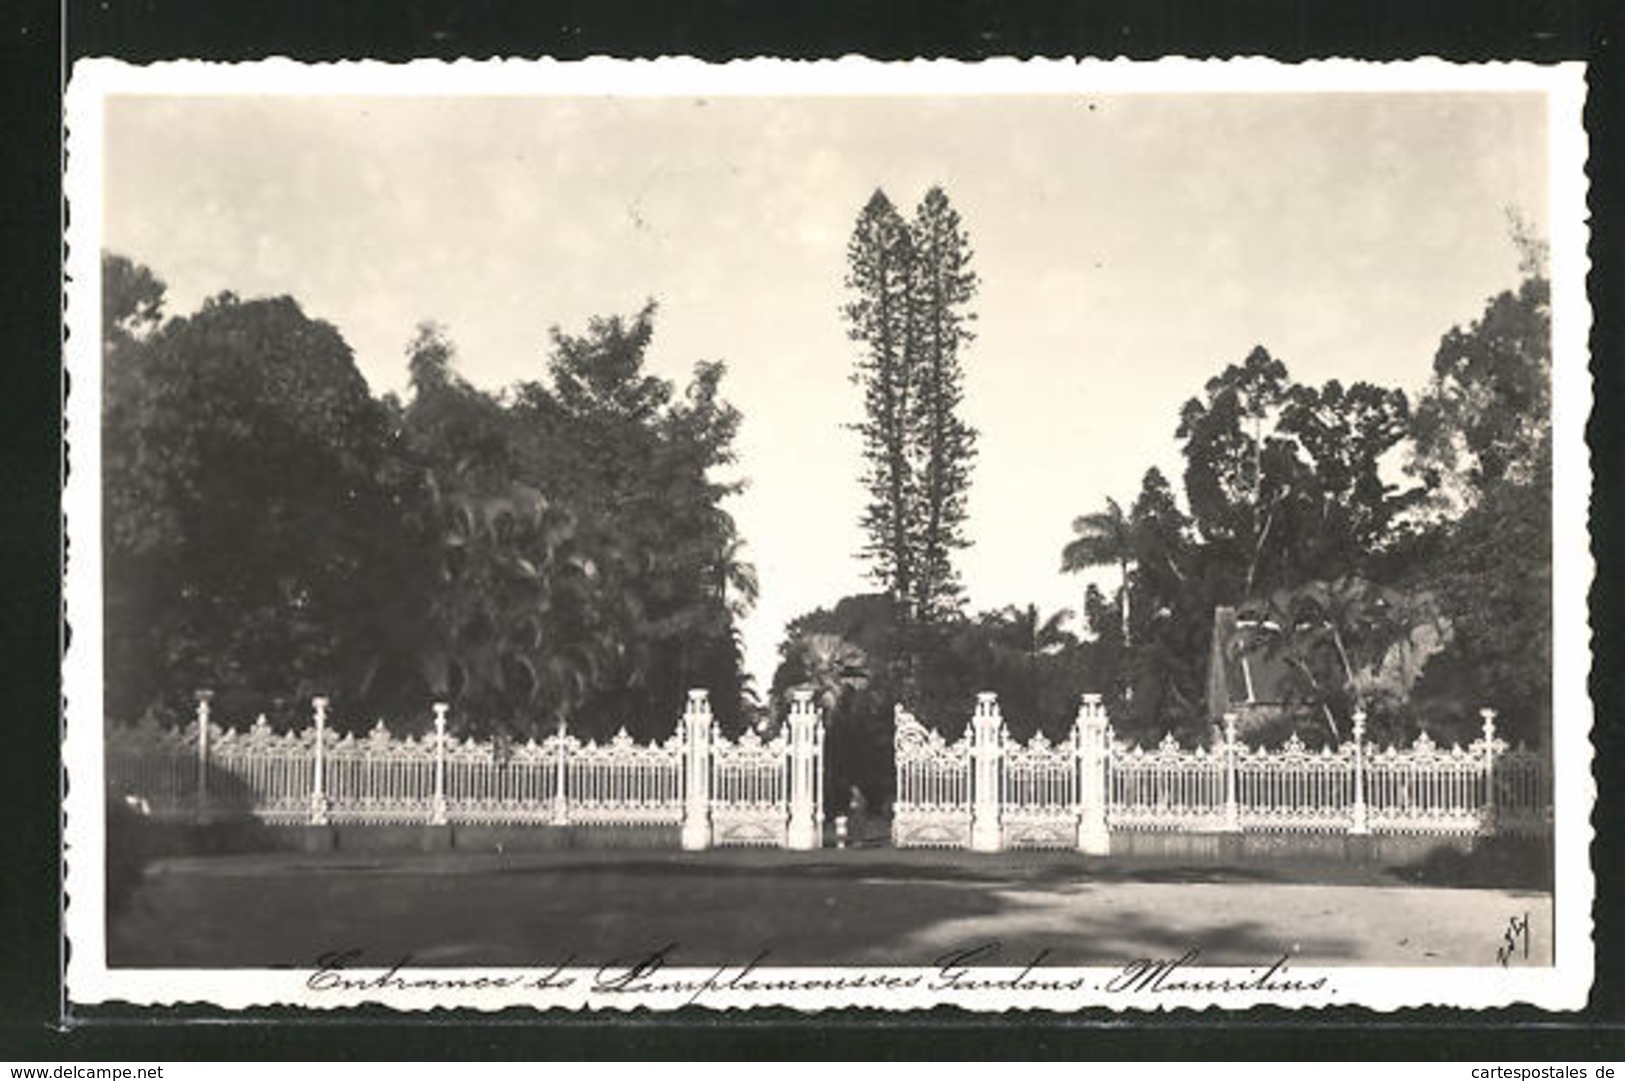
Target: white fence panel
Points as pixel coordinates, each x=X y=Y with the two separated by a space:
x=154 y=769
x=624 y=783
x=258 y=771
x=1039 y=796
x=744 y=789
x=1168 y=788
x=377 y=778
x=1295 y=790
x=750 y=791
x=495 y=783
x=1427 y=789
x=932 y=807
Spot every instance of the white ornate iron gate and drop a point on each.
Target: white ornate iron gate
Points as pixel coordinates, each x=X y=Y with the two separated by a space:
x=718 y=791
x=988 y=792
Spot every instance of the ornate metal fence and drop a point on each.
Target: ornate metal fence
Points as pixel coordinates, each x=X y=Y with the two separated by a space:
x=933 y=803
x=719 y=791
x=988 y=792
x=1167 y=788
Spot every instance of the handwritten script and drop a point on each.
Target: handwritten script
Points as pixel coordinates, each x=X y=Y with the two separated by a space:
x=1514 y=940
x=973 y=969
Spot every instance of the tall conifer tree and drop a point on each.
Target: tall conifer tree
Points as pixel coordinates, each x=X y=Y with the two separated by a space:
x=880 y=318
x=942 y=289
x=911 y=286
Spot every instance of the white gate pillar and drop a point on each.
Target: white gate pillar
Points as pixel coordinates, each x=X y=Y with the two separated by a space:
x=1361 y=824
x=318 y=782
x=437 y=804
x=697 y=725
x=1487 y=821
x=1232 y=808
x=1090 y=732
x=201 y=812
x=987 y=752
x=806 y=726
x=561 y=777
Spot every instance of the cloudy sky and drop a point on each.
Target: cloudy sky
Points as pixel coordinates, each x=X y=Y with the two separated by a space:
x=1129 y=246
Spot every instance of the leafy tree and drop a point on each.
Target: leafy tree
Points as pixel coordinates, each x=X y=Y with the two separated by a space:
x=1160 y=546
x=583 y=566
x=242 y=457
x=647 y=458
x=1158 y=690
x=555 y=552
x=1483 y=440
x=505 y=615
x=1486 y=415
x=1342 y=513
x=1284 y=480
x=132 y=300
x=1493 y=578
x=1236 y=476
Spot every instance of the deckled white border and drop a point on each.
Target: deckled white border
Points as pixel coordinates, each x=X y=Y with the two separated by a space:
x=1562 y=986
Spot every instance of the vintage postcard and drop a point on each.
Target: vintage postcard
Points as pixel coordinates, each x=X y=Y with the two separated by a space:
x=1053 y=536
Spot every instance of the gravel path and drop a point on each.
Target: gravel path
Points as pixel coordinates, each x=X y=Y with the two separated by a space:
x=870 y=907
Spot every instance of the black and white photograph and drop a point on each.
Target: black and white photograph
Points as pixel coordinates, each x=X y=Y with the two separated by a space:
x=627 y=535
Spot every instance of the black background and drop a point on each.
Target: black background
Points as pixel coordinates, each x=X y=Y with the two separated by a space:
x=38 y=43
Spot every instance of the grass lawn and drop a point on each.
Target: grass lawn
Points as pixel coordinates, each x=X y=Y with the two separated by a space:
x=876 y=906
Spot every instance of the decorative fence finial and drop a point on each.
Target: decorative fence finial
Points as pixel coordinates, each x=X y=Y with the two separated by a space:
x=1093 y=705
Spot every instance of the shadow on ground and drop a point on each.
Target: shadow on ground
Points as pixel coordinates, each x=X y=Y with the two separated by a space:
x=870 y=907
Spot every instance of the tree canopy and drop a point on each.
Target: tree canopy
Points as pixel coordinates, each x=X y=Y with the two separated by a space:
x=1417 y=596
x=556 y=551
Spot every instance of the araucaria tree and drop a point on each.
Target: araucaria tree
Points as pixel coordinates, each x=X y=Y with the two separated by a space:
x=943 y=287
x=911 y=286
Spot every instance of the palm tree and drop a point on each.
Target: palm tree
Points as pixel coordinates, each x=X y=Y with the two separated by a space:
x=1347 y=629
x=1020 y=631
x=1105 y=538
x=830 y=667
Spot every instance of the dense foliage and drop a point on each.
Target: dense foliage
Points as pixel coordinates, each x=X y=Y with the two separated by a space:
x=1384 y=558
x=1417 y=595
x=273 y=530
x=861 y=658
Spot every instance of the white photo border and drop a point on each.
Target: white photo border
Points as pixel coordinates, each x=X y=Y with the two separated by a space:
x=1563 y=986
